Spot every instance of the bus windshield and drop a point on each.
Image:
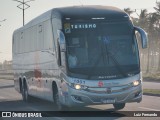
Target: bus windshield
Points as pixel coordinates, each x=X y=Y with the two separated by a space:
x=106 y=49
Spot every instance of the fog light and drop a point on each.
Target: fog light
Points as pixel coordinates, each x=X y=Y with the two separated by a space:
x=137 y=94
x=77 y=87
x=78 y=98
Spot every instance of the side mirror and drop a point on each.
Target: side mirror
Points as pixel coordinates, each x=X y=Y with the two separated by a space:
x=144 y=38
x=61 y=40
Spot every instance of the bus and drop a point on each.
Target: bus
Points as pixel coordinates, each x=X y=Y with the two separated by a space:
x=78 y=56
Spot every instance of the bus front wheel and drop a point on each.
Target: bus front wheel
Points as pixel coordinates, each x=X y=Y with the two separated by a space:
x=58 y=104
x=119 y=106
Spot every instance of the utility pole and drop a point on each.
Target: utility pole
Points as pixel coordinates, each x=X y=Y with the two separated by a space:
x=2 y=21
x=23 y=6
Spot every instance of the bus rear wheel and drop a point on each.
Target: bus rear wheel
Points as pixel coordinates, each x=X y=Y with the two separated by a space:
x=119 y=106
x=26 y=97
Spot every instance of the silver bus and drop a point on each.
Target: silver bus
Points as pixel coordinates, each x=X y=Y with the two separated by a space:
x=79 y=56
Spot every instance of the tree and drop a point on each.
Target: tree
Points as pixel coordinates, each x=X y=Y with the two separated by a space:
x=157 y=8
x=128 y=11
x=150 y=22
x=157 y=29
x=143 y=19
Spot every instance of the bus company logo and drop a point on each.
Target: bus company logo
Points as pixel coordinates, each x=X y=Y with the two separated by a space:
x=100 y=84
x=108 y=90
x=83 y=26
x=67 y=28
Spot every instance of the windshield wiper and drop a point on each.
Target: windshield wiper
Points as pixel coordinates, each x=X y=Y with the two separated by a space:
x=116 y=63
x=109 y=55
x=96 y=63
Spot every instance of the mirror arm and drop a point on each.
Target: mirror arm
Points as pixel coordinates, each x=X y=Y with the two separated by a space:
x=144 y=37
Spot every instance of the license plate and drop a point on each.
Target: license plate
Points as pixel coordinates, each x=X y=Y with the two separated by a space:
x=108 y=101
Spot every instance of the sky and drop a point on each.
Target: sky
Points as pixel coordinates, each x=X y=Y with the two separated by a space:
x=9 y=11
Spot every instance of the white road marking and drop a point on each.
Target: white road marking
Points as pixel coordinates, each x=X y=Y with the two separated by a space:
x=149 y=109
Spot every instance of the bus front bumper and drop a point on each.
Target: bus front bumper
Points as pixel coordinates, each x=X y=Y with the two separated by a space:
x=82 y=98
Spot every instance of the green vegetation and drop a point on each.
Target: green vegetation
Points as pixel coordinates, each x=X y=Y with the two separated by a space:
x=151 y=77
x=150 y=22
x=152 y=91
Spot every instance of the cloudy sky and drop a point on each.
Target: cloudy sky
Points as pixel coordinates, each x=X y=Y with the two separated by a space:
x=9 y=11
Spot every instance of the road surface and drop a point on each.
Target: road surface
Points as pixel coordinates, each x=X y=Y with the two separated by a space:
x=11 y=100
x=151 y=85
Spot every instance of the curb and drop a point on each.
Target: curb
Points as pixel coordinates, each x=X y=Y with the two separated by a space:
x=151 y=94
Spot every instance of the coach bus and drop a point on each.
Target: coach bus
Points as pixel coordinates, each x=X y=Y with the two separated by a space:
x=78 y=56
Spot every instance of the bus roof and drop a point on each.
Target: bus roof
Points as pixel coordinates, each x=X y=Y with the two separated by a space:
x=90 y=11
x=79 y=12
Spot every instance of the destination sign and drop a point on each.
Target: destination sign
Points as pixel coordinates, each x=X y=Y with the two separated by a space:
x=83 y=26
x=68 y=27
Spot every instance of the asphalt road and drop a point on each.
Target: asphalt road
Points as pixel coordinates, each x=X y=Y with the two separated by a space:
x=151 y=85
x=11 y=100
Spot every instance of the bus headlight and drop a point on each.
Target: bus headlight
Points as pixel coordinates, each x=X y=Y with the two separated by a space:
x=136 y=83
x=77 y=86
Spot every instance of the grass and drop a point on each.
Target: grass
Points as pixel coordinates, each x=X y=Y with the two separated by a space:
x=154 y=77
x=152 y=91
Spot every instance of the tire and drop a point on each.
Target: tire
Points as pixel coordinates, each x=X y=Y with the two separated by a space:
x=58 y=104
x=26 y=97
x=119 y=106
x=20 y=85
